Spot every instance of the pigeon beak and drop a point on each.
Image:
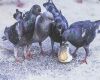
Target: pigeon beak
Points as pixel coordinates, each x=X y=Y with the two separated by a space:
x=40 y=13
x=39 y=10
x=98 y=31
x=46 y=7
x=60 y=31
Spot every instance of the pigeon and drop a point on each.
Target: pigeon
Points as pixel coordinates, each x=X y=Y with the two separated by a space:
x=20 y=34
x=81 y=34
x=42 y=27
x=25 y=41
x=60 y=25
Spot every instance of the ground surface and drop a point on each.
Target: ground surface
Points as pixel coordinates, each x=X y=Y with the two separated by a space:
x=47 y=67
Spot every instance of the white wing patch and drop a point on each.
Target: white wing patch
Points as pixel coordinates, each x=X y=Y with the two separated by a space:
x=19 y=31
x=36 y=22
x=83 y=32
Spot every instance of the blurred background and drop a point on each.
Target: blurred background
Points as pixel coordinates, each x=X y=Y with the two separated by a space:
x=20 y=3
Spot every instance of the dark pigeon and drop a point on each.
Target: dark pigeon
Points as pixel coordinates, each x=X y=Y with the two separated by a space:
x=60 y=24
x=21 y=33
x=81 y=34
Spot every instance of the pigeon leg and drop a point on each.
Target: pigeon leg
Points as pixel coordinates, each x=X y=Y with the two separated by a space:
x=52 y=45
x=27 y=53
x=42 y=52
x=87 y=52
x=74 y=53
x=53 y=52
x=16 y=56
x=30 y=55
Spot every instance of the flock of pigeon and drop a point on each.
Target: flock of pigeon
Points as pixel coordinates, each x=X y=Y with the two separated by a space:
x=34 y=26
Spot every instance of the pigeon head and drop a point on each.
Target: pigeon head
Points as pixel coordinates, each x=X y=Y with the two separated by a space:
x=59 y=28
x=36 y=9
x=50 y=6
x=97 y=25
x=18 y=15
x=61 y=25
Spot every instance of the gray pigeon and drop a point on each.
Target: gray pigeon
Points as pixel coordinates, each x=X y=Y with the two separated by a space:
x=21 y=33
x=42 y=27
